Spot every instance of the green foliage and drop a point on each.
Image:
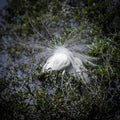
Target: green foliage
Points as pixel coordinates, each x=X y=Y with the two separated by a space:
x=50 y=95
x=65 y=97
x=105 y=13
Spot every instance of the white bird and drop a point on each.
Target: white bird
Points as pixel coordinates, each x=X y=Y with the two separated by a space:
x=69 y=61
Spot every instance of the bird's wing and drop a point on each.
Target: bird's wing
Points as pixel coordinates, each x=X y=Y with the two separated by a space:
x=57 y=62
x=77 y=68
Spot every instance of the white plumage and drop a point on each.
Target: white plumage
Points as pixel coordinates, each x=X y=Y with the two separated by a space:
x=70 y=61
x=58 y=61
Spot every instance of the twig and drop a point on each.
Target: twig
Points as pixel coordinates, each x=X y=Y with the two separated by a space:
x=27 y=86
x=37 y=31
x=46 y=29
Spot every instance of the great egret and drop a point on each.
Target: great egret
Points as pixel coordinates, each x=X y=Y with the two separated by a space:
x=71 y=61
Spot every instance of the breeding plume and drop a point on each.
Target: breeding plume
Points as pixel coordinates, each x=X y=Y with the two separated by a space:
x=69 y=58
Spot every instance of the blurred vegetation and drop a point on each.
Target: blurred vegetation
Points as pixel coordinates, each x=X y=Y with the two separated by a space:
x=32 y=95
